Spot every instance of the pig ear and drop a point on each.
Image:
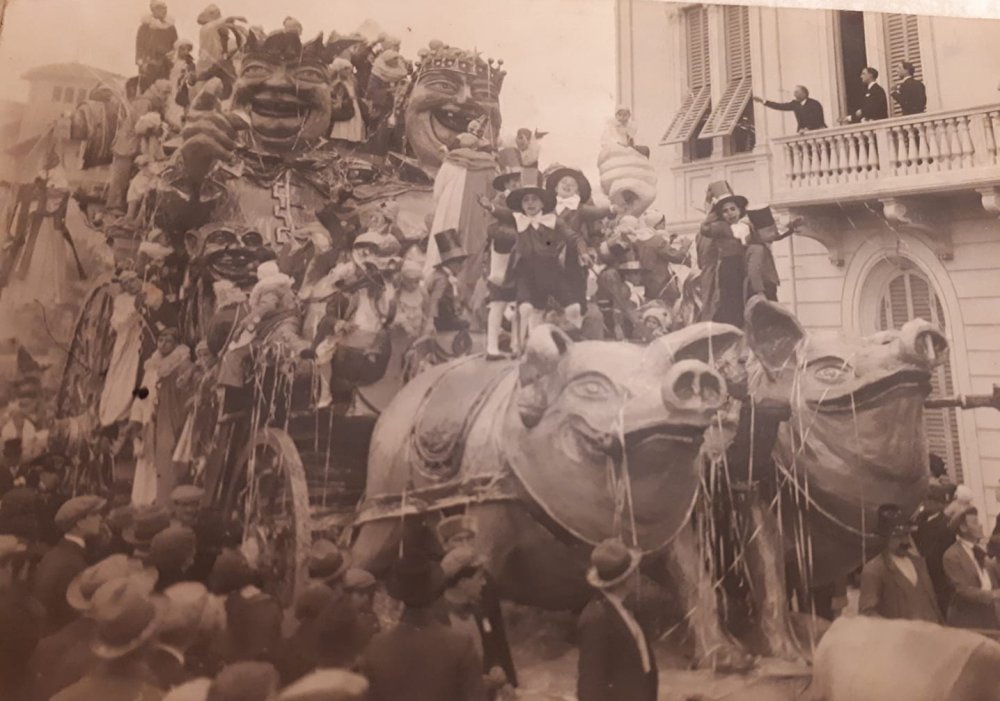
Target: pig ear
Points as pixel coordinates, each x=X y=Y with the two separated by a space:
x=703 y=341
x=773 y=333
x=545 y=347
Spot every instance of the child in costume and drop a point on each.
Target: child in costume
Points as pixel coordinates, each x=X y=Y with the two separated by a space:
x=721 y=255
x=500 y=280
x=541 y=244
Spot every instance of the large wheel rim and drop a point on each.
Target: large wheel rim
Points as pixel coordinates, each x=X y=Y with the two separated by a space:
x=276 y=520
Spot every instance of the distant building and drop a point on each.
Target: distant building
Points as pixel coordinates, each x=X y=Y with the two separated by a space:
x=901 y=215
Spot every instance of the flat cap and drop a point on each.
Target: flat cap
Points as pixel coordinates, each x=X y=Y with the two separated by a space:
x=77 y=509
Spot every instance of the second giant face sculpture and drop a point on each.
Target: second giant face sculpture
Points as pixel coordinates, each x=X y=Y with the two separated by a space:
x=452 y=87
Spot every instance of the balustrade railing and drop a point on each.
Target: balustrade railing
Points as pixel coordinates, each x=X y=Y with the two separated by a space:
x=874 y=154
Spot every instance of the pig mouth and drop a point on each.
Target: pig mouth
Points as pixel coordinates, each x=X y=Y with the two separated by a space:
x=899 y=385
x=598 y=445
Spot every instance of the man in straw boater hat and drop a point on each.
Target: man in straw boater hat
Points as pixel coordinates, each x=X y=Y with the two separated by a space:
x=421 y=659
x=126 y=621
x=616 y=659
x=542 y=242
x=721 y=252
x=896 y=584
x=974 y=585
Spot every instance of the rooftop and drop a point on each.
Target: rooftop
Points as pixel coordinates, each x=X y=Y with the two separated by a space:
x=75 y=70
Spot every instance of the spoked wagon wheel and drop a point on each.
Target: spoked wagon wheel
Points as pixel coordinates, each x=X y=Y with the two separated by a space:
x=277 y=522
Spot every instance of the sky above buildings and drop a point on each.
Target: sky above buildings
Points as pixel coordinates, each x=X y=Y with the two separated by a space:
x=559 y=54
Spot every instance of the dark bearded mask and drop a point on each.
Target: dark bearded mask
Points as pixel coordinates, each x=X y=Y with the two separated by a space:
x=284 y=90
x=452 y=88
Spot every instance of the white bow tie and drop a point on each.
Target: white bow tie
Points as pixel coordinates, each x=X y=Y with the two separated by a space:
x=571 y=203
x=537 y=221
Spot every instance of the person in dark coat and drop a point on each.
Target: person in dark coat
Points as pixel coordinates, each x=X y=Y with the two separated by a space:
x=934 y=536
x=975 y=589
x=616 y=658
x=808 y=112
x=896 y=583
x=79 y=519
x=421 y=659
x=465 y=582
x=909 y=93
x=721 y=255
x=20 y=624
x=154 y=41
x=875 y=104
x=187 y=604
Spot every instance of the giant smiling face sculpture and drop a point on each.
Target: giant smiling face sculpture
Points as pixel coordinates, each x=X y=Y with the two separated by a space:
x=284 y=89
x=452 y=88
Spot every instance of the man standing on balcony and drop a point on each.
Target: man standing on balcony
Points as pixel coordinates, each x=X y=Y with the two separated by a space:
x=909 y=93
x=808 y=112
x=875 y=105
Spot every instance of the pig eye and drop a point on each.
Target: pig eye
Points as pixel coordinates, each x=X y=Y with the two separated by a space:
x=593 y=388
x=830 y=370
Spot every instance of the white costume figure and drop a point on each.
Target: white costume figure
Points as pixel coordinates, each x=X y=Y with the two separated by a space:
x=352 y=129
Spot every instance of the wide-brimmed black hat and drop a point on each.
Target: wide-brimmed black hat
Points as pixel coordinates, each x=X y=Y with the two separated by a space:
x=416 y=581
x=515 y=198
x=553 y=178
x=892 y=521
x=503 y=178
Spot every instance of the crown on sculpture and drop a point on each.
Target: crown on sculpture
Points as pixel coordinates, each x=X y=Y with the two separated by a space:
x=439 y=56
x=284 y=47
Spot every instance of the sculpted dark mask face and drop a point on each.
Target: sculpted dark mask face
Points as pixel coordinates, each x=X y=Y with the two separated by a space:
x=284 y=89
x=445 y=99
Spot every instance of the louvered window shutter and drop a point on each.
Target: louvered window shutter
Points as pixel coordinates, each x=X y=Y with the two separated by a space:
x=739 y=83
x=902 y=43
x=909 y=296
x=699 y=96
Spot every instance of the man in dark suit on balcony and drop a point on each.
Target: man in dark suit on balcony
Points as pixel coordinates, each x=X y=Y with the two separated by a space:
x=909 y=93
x=808 y=112
x=875 y=105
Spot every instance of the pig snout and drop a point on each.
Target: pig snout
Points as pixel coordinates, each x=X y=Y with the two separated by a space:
x=922 y=343
x=692 y=385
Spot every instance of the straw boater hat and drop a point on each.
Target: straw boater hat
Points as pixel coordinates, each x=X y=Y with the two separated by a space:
x=611 y=563
x=449 y=247
x=553 y=178
x=516 y=197
x=80 y=593
x=327 y=685
x=126 y=617
x=719 y=193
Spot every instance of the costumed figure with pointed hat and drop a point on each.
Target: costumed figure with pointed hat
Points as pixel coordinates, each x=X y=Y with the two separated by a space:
x=721 y=255
x=543 y=242
x=159 y=410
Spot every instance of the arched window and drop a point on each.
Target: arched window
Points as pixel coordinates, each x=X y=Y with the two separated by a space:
x=909 y=295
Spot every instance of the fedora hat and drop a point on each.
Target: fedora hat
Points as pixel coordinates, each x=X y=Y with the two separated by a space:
x=500 y=182
x=449 y=247
x=416 y=581
x=611 y=563
x=126 y=617
x=553 y=178
x=516 y=197
x=81 y=590
x=719 y=193
x=892 y=521
x=146 y=523
x=186 y=607
x=327 y=562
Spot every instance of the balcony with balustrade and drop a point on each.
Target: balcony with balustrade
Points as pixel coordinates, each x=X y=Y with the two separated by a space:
x=901 y=167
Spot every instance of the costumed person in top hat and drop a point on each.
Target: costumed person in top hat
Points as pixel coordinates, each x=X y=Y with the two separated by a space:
x=348 y=120
x=443 y=301
x=81 y=522
x=575 y=207
x=421 y=659
x=126 y=622
x=542 y=241
x=36 y=253
x=465 y=582
x=761 y=273
x=154 y=41
x=896 y=584
x=721 y=255
x=975 y=589
x=158 y=415
x=616 y=658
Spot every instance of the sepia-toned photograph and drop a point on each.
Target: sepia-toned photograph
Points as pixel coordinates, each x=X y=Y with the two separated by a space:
x=510 y=350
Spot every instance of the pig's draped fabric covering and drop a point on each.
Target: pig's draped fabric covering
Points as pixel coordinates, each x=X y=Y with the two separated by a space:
x=874 y=659
x=463 y=177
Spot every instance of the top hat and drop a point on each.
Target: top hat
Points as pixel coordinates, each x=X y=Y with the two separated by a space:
x=452 y=526
x=416 y=581
x=719 y=193
x=327 y=562
x=553 y=178
x=762 y=220
x=449 y=247
x=892 y=521
x=81 y=590
x=509 y=174
x=516 y=197
x=126 y=617
x=611 y=563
